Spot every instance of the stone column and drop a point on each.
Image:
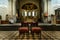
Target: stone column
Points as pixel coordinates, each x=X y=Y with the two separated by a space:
x=45 y=6
x=14 y=10
x=14 y=7
x=10 y=8
x=49 y=10
x=45 y=10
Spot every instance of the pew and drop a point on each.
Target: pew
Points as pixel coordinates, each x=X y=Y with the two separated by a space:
x=58 y=22
x=4 y=22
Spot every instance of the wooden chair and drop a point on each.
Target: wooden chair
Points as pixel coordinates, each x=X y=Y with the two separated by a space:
x=23 y=30
x=36 y=30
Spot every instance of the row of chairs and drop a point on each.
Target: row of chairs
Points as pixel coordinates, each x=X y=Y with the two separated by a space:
x=33 y=30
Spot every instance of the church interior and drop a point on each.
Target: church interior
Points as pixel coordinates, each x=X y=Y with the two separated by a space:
x=29 y=20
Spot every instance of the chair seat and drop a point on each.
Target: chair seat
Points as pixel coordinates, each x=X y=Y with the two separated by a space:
x=36 y=29
x=23 y=29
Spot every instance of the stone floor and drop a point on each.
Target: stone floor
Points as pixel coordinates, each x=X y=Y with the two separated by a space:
x=45 y=35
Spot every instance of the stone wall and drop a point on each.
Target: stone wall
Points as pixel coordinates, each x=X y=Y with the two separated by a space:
x=11 y=7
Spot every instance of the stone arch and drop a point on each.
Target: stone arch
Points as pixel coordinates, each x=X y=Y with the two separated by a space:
x=29 y=6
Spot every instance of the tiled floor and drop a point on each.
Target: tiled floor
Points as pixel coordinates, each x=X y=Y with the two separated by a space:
x=45 y=35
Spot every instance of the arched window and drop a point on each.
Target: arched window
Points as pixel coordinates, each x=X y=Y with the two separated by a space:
x=29 y=13
x=4 y=3
x=33 y=13
x=55 y=2
x=25 y=13
x=3 y=8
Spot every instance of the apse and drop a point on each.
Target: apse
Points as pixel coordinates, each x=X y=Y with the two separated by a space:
x=29 y=10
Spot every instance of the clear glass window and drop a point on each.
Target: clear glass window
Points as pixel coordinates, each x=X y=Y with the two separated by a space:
x=4 y=3
x=25 y=13
x=33 y=13
x=29 y=14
